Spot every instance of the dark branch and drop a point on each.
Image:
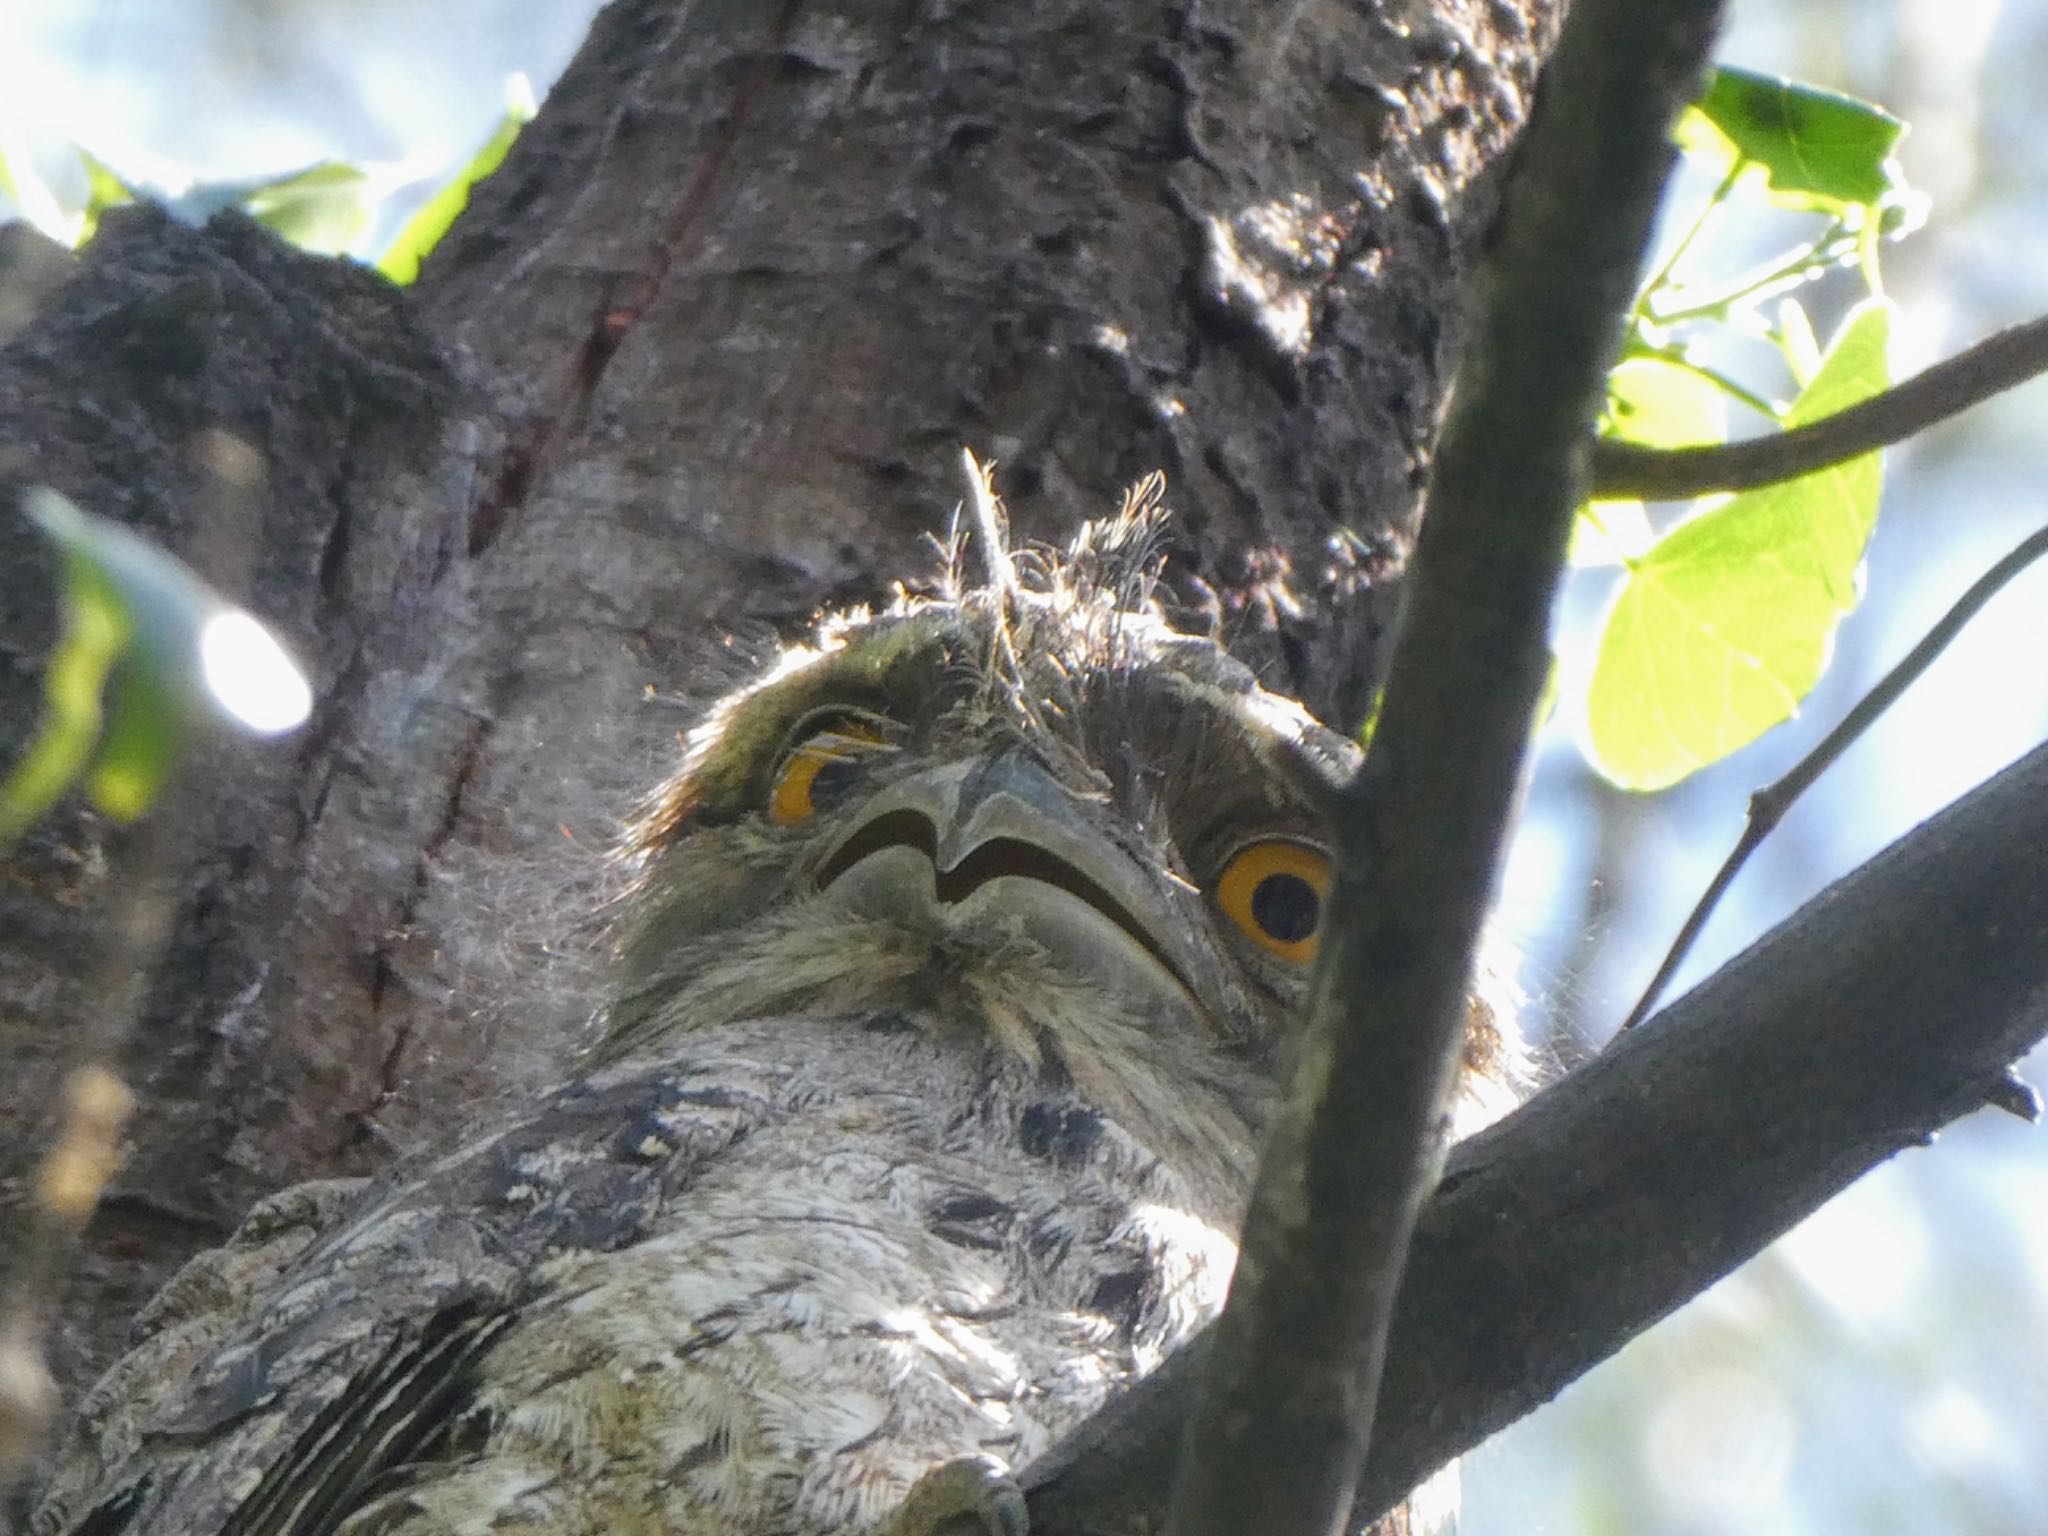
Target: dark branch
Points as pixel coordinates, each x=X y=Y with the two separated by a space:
x=1283 y=1414
x=1879 y=1012
x=1991 y=367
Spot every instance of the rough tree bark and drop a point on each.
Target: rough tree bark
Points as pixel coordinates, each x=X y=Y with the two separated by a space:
x=699 y=359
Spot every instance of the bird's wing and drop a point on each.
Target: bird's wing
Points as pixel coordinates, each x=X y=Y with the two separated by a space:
x=353 y=1364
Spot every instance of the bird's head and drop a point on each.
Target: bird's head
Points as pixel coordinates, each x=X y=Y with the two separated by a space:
x=1031 y=808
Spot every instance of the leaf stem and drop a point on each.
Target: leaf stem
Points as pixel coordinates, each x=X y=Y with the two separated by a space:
x=1685 y=241
x=1801 y=266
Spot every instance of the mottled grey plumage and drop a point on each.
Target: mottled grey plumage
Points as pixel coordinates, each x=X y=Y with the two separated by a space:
x=935 y=1065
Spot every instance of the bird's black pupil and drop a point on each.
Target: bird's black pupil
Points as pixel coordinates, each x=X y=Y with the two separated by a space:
x=1286 y=908
x=833 y=781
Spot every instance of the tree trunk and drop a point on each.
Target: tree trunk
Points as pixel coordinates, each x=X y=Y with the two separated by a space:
x=699 y=359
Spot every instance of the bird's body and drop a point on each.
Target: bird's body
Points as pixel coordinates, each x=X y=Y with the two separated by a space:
x=936 y=1063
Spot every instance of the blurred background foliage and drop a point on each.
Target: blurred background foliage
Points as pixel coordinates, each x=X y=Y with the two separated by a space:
x=1881 y=1369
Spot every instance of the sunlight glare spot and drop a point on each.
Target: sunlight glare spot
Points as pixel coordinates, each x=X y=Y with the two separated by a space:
x=1719 y=1448
x=1864 y=1253
x=250 y=676
x=1953 y=1429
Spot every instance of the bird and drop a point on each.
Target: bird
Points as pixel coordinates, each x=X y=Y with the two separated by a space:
x=953 y=990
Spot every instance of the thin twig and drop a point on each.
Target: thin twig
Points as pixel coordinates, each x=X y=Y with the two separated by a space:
x=1740 y=164
x=1767 y=807
x=1991 y=367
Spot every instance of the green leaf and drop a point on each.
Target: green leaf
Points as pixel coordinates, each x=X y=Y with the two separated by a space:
x=1654 y=401
x=34 y=198
x=1793 y=333
x=1662 y=404
x=145 y=733
x=1369 y=727
x=1819 y=150
x=1719 y=631
x=104 y=187
x=325 y=208
x=94 y=631
x=423 y=231
x=178 y=645
x=11 y=180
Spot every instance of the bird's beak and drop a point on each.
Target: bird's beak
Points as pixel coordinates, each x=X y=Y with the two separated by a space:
x=1000 y=836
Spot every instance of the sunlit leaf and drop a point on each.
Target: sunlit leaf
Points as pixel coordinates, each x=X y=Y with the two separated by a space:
x=104 y=190
x=1719 y=631
x=145 y=733
x=1793 y=333
x=33 y=196
x=169 y=642
x=423 y=231
x=1369 y=727
x=1818 y=149
x=325 y=208
x=104 y=187
x=95 y=628
x=1662 y=404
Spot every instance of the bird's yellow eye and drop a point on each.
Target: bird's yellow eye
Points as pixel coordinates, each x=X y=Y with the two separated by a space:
x=821 y=772
x=1274 y=891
